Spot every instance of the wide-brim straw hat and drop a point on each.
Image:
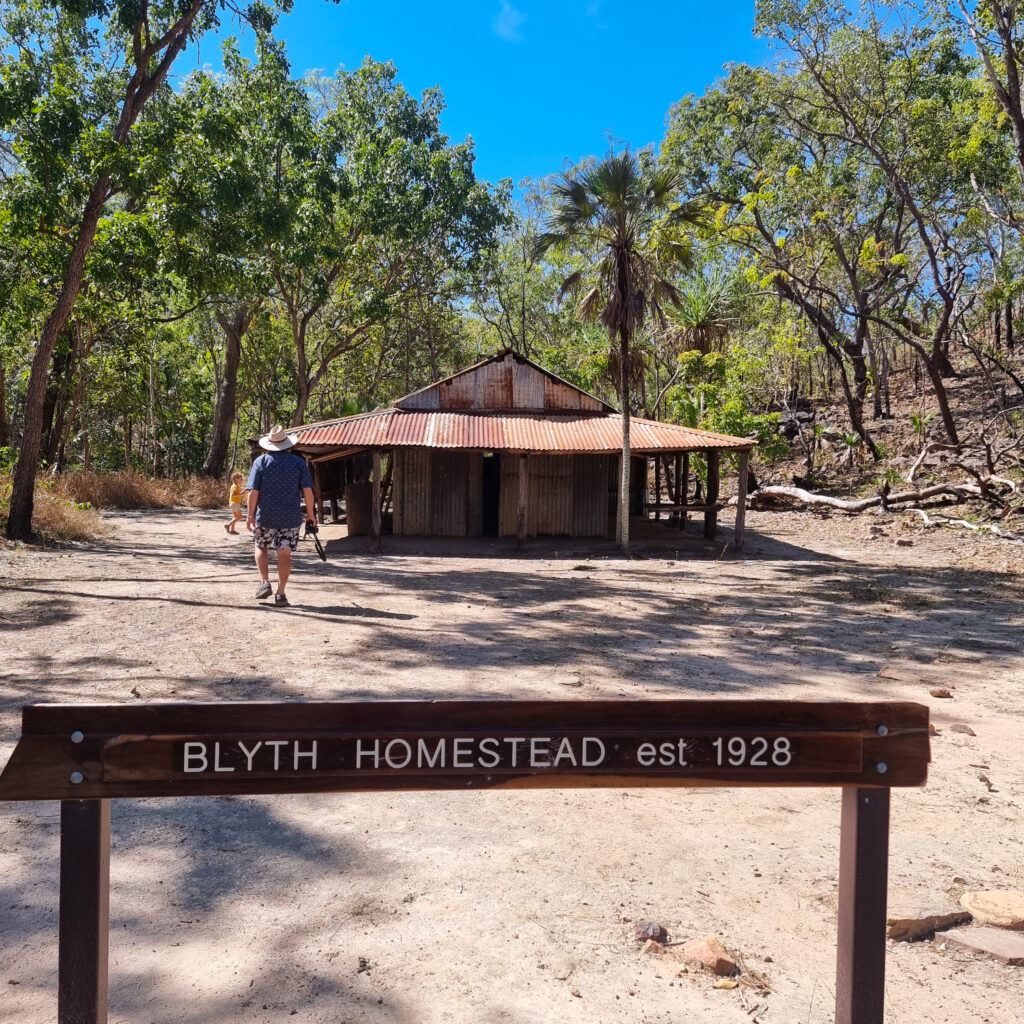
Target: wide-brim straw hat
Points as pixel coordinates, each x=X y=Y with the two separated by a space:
x=278 y=440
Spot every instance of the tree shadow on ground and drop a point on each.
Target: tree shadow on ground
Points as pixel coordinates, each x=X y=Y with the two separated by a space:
x=687 y=631
x=178 y=866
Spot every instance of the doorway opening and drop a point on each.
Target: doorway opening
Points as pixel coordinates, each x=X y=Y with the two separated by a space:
x=491 y=503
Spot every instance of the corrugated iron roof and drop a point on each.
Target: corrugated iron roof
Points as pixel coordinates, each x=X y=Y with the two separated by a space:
x=507 y=431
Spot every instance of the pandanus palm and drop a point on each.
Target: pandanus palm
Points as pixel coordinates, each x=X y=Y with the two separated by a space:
x=623 y=216
x=708 y=309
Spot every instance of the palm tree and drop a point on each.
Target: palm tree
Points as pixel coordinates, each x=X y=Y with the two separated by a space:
x=621 y=213
x=708 y=309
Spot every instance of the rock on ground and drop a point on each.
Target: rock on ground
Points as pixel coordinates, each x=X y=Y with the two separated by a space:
x=1002 y=908
x=709 y=951
x=1007 y=947
x=909 y=924
x=645 y=930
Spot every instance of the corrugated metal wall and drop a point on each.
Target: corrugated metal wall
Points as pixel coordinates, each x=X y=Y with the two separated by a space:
x=475 y=498
x=440 y=494
x=590 y=495
x=567 y=495
x=450 y=494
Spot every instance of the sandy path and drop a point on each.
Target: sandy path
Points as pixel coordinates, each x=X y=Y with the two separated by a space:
x=249 y=909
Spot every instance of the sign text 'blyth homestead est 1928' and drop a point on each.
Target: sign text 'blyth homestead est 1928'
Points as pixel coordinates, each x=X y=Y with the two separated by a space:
x=90 y=752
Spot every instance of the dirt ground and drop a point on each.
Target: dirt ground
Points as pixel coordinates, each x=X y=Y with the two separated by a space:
x=467 y=907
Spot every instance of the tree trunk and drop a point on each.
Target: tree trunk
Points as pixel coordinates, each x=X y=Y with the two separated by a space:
x=876 y=391
x=933 y=367
x=4 y=428
x=19 y=520
x=623 y=530
x=884 y=383
x=149 y=72
x=126 y=423
x=302 y=400
x=224 y=411
x=55 y=399
x=1009 y=326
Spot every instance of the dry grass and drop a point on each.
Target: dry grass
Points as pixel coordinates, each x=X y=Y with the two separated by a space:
x=66 y=506
x=56 y=519
x=126 y=490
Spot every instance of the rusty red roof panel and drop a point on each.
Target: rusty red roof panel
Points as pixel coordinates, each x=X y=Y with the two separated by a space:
x=524 y=432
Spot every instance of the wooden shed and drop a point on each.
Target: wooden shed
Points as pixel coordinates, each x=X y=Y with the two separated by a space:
x=507 y=448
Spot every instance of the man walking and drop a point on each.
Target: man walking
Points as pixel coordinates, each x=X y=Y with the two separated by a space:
x=275 y=482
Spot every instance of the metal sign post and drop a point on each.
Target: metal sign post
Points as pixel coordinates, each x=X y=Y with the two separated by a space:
x=86 y=755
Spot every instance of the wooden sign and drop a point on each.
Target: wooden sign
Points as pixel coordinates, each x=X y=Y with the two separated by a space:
x=86 y=752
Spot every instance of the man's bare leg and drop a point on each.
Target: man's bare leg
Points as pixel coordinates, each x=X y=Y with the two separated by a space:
x=284 y=568
x=263 y=563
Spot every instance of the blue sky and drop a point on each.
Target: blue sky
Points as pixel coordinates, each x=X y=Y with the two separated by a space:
x=534 y=83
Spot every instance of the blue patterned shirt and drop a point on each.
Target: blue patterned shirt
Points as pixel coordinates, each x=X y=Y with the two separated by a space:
x=279 y=477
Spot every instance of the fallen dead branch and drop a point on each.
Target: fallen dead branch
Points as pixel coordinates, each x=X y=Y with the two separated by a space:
x=779 y=495
x=938 y=520
x=993 y=489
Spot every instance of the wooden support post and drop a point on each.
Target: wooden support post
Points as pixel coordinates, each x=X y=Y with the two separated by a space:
x=677 y=498
x=318 y=493
x=863 y=878
x=741 y=499
x=711 y=515
x=657 y=487
x=84 y=911
x=684 y=487
x=523 y=496
x=375 y=526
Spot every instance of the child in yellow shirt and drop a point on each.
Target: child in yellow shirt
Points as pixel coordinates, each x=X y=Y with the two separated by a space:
x=235 y=496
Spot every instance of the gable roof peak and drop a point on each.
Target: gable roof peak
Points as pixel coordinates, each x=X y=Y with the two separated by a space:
x=494 y=384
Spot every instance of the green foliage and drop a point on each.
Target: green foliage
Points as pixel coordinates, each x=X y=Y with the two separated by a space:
x=710 y=395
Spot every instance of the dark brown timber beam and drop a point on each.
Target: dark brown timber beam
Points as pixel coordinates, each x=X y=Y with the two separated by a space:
x=711 y=498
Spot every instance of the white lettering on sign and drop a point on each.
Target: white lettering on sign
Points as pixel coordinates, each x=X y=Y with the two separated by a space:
x=311 y=754
x=425 y=759
x=195 y=757
x=737 y=753
x=460 y=752
x=402 y=758
x=487 y=753
x=249 y=754
x=489 y=749
x=667 y=755
x=565 y=751
x=277 y=745
x=514 y=742
x=217 y=766
x=374 y=752
x=588 y=742
x=482 y=752
x=224 y=757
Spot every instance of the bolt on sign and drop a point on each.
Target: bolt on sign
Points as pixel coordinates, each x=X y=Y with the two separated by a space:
x=86 y=755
